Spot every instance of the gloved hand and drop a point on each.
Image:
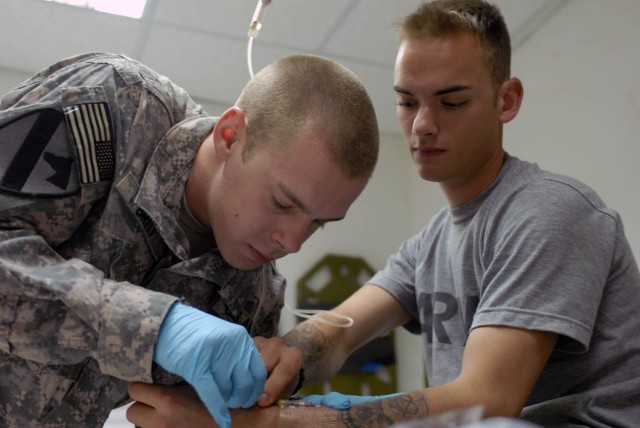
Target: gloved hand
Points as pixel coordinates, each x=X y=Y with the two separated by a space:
x=218 y=358
x=338 y=401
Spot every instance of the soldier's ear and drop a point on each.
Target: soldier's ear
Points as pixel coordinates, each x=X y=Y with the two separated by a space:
x=230 y=130
x=510 y=98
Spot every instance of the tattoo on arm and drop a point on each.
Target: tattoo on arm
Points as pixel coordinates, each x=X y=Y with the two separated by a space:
x=386 y=412
x=317 y=348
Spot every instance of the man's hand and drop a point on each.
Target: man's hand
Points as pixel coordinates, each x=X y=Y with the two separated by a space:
x=283 y=365
x=218 y=358
x=160 y=406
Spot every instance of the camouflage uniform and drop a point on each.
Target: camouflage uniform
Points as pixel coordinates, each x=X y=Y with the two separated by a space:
x=96 y=153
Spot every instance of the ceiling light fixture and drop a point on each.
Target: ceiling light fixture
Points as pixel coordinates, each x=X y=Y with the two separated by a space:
x=128 y=8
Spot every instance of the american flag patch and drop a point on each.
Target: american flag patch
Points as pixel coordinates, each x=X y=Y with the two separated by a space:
x=91 y=131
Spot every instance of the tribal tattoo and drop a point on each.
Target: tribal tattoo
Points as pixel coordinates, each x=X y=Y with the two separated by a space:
x=386 y=412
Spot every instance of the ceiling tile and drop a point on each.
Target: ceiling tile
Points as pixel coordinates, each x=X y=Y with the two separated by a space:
x=49 y=32
x=229 y=17
x=368 y=33
x=205 y=65
x=304 y=25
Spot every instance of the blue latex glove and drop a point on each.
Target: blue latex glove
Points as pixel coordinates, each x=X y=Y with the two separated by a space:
x=218 y=358
x=338 y=401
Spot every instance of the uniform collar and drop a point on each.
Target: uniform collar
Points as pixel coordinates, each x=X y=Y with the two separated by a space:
x=164 y=181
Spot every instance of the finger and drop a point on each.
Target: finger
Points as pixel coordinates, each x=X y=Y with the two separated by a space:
x=141 y=415
x=283 y=377
x=333 y=400
x=144 y=392
x=248 y=381
x=212 y=398
x=270 y=350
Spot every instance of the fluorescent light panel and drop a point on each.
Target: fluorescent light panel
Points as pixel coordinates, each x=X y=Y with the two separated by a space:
x=129 y=8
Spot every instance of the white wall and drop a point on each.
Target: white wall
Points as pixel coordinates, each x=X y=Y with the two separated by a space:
x=581 y=111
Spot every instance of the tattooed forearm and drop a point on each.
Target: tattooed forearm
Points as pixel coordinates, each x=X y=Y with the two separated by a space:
x=386 y=412
x=318 y=348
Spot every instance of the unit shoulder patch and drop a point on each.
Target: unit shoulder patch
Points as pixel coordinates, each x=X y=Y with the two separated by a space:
x=47 y=152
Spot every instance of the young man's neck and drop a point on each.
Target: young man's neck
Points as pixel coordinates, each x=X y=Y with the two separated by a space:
x=458 y=194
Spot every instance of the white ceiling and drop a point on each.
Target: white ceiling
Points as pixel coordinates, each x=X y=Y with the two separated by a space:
x=202 y=44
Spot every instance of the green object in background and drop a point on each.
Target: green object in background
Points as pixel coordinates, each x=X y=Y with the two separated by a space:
x=357 y=383
x=370 y=370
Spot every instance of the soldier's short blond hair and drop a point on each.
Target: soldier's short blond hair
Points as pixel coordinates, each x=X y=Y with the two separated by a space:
x=312 y=93
x=441 y=18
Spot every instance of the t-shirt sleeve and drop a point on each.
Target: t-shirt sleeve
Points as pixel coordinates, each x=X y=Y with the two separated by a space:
x=399 y=277
x=547 y=268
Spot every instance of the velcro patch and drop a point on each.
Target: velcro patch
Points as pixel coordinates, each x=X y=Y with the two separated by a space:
x=91 y=132
x=36 y=157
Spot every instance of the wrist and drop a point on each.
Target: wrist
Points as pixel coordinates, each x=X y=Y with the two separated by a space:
x=300 y=383
x=317 y=417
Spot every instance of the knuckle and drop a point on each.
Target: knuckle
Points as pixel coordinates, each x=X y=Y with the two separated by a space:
x=167 y=401
x=295 y=354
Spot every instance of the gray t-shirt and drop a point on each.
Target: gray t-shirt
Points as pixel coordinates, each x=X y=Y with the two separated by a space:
x=535 y=251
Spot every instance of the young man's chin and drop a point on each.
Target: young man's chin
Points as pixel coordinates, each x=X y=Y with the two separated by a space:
x=240 y=261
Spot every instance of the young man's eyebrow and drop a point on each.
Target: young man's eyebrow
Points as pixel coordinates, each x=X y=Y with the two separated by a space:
x=297 y=202
x=401 y=90
x=455 y=88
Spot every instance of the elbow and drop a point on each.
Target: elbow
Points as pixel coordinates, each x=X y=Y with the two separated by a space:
x=496 y=403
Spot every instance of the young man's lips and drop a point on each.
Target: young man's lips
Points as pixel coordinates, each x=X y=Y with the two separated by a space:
x=258 y=256
x=428 y=152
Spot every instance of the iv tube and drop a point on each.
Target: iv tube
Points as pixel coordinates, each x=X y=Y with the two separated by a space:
x=254 y=27
x=315 y=315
